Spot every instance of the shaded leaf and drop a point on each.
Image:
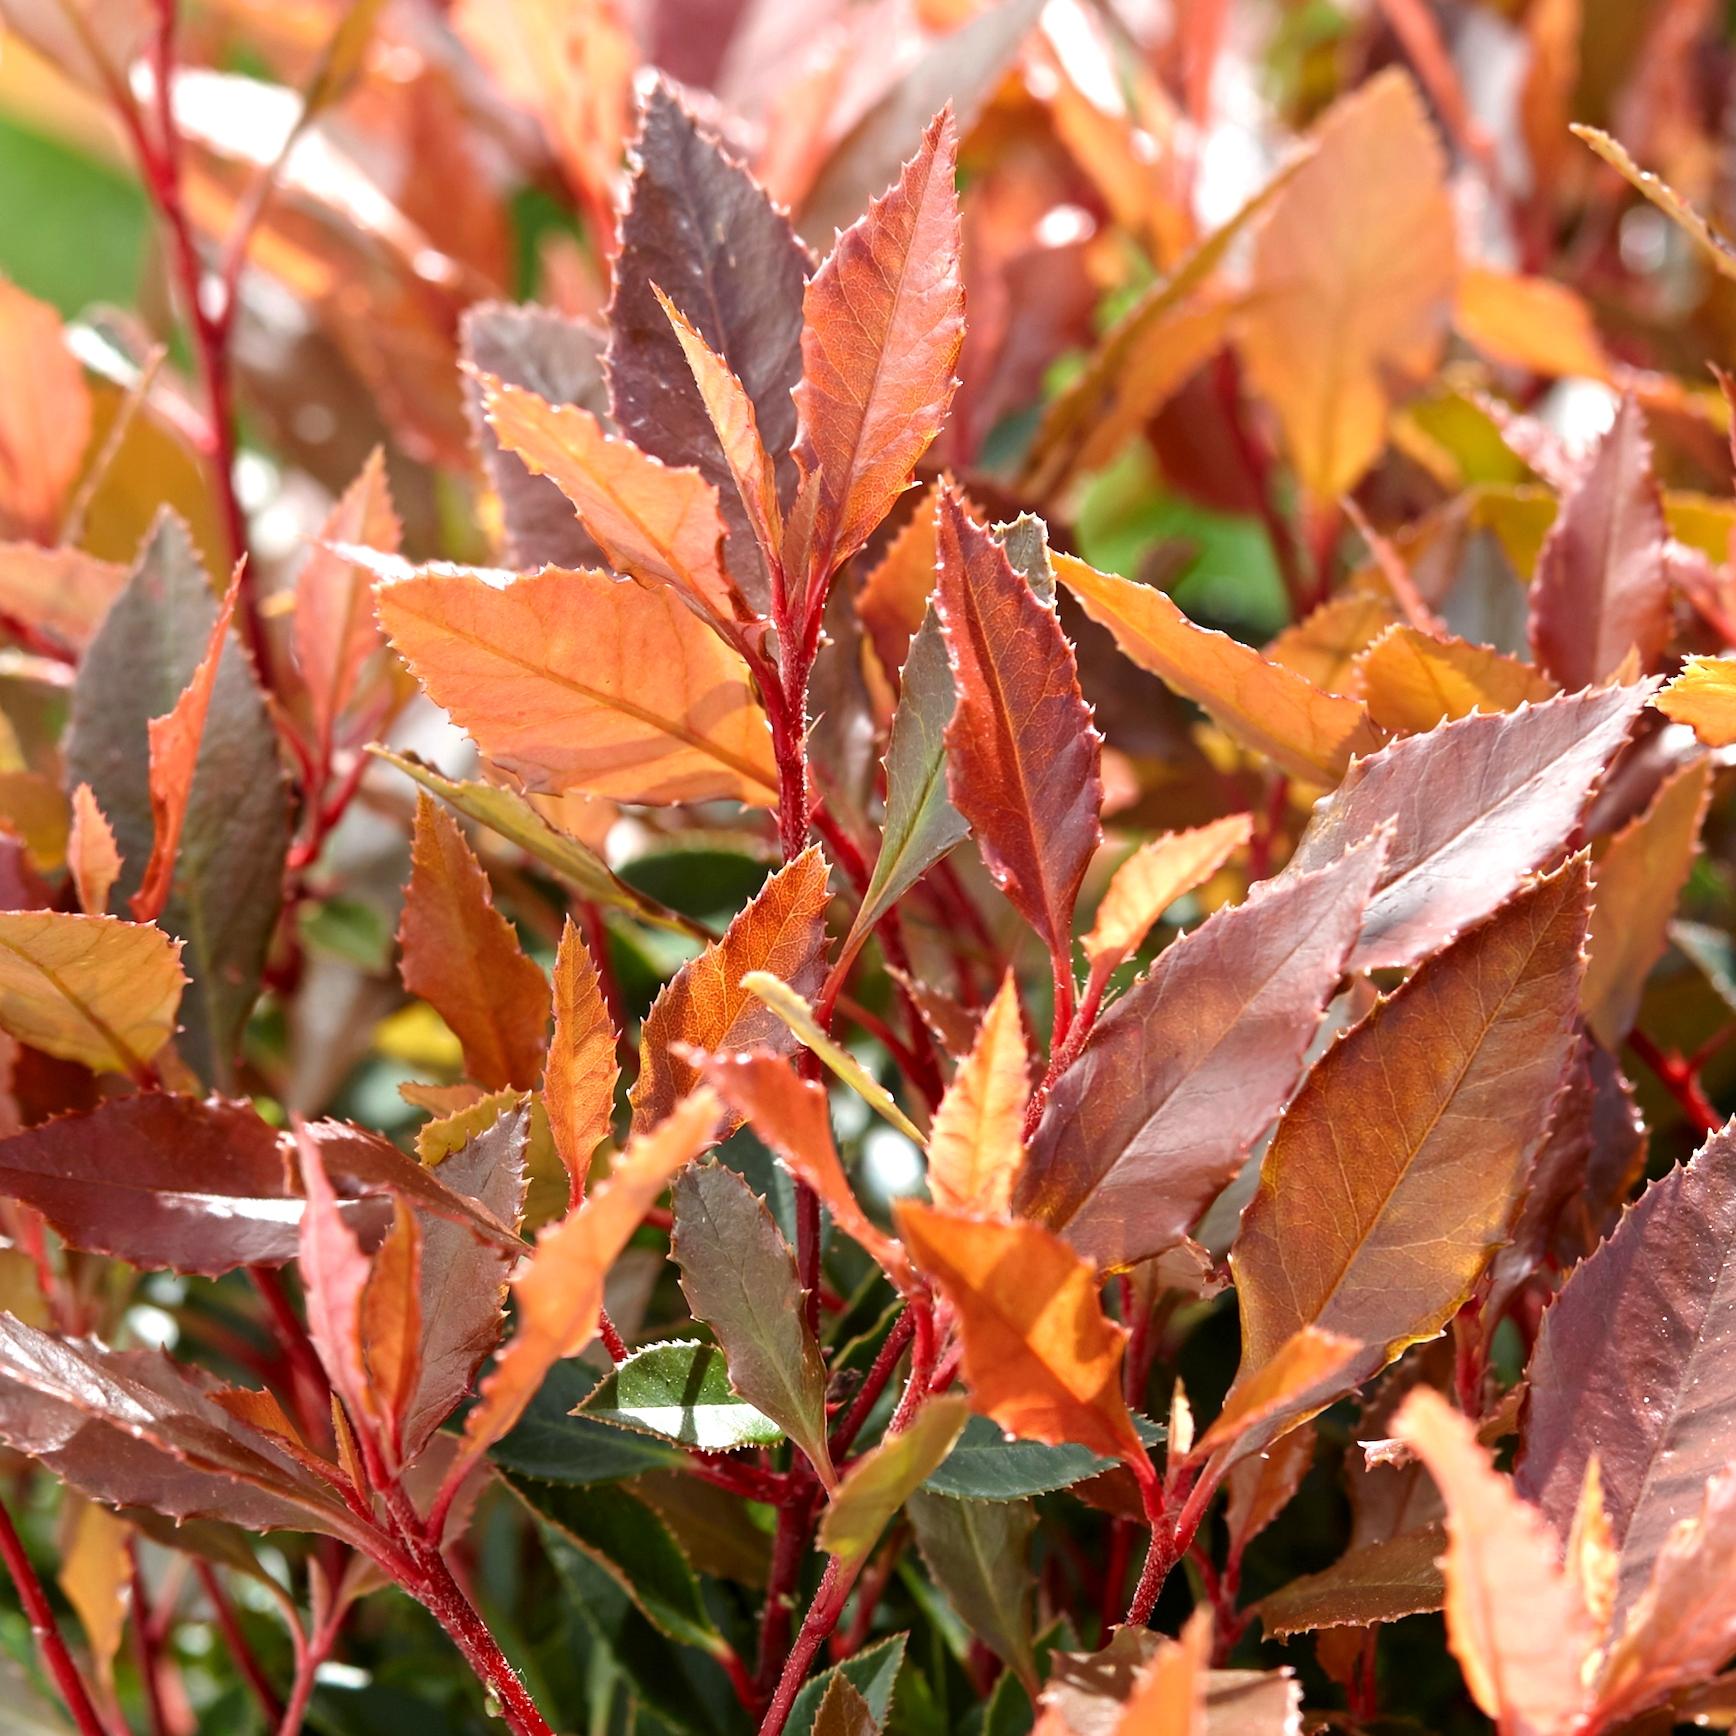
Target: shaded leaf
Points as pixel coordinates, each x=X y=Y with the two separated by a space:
x=791 y=1115
x=879 y=1483
x=698 y=228
x=133 y=1429
x=88 y=988
x=1397 y=1170
x=985 y=1465
x=228 y=879
x=1639 y=877
x=1602 y=587
x=463 y=958
x=843 y=1712
x=704 y=1005
x=1181 y=1076
x=921 y=824
x=882 y=325
x=549 y=674
x=739 y=1277
x=978 y=1553
x=1022 y=754
x=463 y=1278
x=1478 y=805
x=561 y=360
x=680 y=1390
x=1040 y=1357
x=872 y=1672
x=1376 y=1582
x=625 y=1537
x=1351 y=281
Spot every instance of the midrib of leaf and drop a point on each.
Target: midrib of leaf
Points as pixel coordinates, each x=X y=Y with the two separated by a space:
x=608 y=702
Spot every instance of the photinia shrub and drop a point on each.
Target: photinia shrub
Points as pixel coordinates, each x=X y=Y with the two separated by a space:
x=864 y=869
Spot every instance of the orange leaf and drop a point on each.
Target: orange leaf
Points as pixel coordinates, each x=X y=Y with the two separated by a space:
x=977 y=1141
x=1040 y=1356
x=1352 y=281
x=335 y=632
x=559 y=1290
x=91 y=852
x=580 y=1073
x=894 y=597
x=62 y=591
x=1266 y=707
x=1410 y=681
x=883 y=322
x=1153 y=878
x=1169 y=1697
x=175 y=739
x=737 y=427
x=579 y=681
x=391 y=1322
x=656 y=522
x=704 y=1006
x=1516 y=1623
x=1530 y=323
x=462 y=957
x=1322 y=646
x=45 y=418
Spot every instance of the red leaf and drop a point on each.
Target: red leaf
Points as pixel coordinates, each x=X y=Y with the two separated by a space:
x=1187 y=1070
x=1602 y=587
x=1022 y=755
x=883 y=325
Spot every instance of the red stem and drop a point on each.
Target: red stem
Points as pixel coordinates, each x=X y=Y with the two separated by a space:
x=56 y=1659
x=822 y=1617
x=1681 y=1080
x=313 y=1654
x=873 y=1384
x=145 y=1647
x=246 y=1659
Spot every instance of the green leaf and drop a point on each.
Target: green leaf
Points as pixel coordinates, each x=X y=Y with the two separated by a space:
x=554 y=1446
x=986 y=1466
x=739 y=1277
x=626 y=1538
x=1009 y=1711
x=879 y=1483
x=228 y=883
x=872 y=1673
x=511 y=817
x=977 y=1552
x=683 y=1687
x=921 y=823
x=681 y=1391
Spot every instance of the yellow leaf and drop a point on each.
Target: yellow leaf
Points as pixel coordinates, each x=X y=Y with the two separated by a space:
x=1530 y=323
x=880 y=1482
x=1410 y=681
x=1703 y=696
x=1267 y=708
x=88 y=988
